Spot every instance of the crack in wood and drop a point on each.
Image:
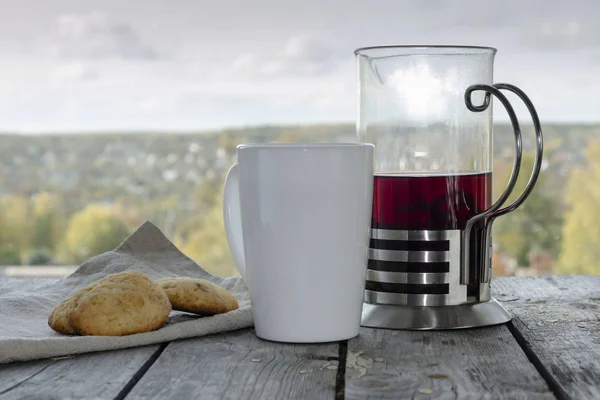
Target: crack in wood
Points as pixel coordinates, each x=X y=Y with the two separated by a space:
x=340 y=378
x=25 y=380
x=140 y=372
x=552 y=383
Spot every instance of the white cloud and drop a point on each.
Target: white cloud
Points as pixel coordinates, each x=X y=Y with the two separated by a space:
x=272 y=67
x=308 y=49
x=152 y=103
x=301 y=55
x=268 y=62
x=570 y=34
x=338 y=95
x=75 y=72
x=96 y=36
x=245 y=61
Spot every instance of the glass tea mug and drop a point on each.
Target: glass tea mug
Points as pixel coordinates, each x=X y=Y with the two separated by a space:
x=428 y=111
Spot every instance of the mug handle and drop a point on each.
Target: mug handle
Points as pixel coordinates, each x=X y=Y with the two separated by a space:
x=489 y=91
x=232 y=216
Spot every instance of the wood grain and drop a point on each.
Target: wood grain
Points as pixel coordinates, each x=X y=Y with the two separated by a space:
x=91 y=376
x=480 y=363
x=239 y=365
x=13 y=375
x=557 y=320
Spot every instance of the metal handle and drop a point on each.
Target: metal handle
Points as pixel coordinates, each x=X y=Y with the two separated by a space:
x=490 y=90
x=537 y=166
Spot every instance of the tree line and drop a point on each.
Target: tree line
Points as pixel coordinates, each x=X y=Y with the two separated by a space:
x=561 y=217
x=36 y=230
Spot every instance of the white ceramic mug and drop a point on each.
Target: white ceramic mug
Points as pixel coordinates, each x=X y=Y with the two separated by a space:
x=297 y=219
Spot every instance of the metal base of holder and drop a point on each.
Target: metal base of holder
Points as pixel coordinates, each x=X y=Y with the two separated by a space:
x=434 y=318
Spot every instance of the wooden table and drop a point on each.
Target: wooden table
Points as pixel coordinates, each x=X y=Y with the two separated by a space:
x=551 y=349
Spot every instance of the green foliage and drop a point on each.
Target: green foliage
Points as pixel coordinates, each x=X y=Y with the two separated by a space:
x=55 y=216
x=580 y=251
x=535 y=225
x=15 y=224
x=49 y=223
x=40 y=257
x=208 y=245
x=202 y=236
x=208 y=194
x=94 y=230
x=9 y=256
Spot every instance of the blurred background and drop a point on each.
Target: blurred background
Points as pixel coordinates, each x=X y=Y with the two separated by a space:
x=113 y=113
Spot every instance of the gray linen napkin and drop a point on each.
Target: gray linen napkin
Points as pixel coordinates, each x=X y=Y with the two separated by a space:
x=24 y=330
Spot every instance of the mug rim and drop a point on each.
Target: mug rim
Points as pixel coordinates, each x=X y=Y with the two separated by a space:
x=304 y=145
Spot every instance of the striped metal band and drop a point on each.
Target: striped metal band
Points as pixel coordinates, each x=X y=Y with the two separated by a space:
x=409 y=256
x=388 y=234
x=418 y=300
x=404 y=277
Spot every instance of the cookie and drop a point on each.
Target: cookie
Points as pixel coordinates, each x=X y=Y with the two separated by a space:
x=198 y=296
x=117 y=305
x=59 y=318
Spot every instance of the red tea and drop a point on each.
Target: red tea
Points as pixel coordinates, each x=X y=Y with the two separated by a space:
x=430 y=202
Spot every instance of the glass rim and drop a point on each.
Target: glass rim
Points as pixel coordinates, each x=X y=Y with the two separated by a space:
x=455 y=49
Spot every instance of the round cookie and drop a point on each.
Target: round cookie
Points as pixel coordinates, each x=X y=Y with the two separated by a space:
x=59 y=317
x=198 y=296
x=119 y=304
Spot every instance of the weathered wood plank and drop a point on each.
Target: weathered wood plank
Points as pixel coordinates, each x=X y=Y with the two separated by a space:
x=239 y=365
x=95 y=375
x=557 y=320
x=475 y=363
x=12 y=375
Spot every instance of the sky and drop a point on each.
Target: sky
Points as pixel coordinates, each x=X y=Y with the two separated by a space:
x=77 y=65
